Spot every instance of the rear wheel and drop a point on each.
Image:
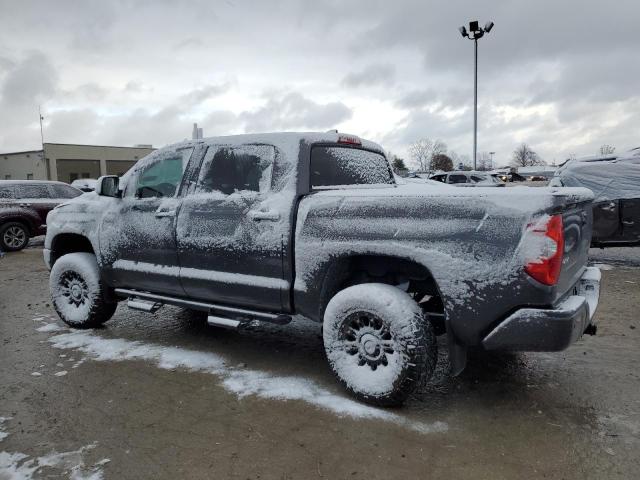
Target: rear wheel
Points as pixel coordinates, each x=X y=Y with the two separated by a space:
x=14 y=236
x=378 y=343
x=79 y=296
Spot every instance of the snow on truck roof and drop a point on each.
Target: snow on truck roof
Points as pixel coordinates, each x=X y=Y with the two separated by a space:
x=284 y=140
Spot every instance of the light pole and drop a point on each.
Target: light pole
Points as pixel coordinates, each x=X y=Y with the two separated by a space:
x=491 y=159
x=475 y=32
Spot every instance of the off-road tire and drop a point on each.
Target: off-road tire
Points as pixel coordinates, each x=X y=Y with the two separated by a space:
x=78 y=294
x=366 y=322
x=10 y=233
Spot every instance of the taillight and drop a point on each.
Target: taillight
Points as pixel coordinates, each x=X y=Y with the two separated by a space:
x=349 y=140
x=547 y=242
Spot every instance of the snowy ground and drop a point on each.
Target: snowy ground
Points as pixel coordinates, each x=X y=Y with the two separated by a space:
x=166 y=396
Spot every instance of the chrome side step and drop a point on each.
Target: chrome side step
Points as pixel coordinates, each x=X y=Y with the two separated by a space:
x=222 y=322
x=143 y=305
x=140 y=301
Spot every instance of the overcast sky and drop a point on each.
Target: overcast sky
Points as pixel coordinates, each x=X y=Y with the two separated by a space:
x=563 y=76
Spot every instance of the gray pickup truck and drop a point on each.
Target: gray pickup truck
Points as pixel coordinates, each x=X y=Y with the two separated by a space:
x=265 y=227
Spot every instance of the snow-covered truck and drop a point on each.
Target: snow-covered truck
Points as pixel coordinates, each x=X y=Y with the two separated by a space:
x=267 y=227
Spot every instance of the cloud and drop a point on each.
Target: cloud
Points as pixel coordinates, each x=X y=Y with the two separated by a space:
x=294 y=111
x=32 y=80
x=376 y=74
x=559 y=75
x=202 y=94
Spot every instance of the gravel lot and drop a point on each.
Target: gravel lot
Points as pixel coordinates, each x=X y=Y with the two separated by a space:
x=167 y=396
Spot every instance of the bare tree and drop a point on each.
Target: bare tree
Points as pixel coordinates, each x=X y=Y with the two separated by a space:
x=607 y=149
x=524 y=156
x=420 y=152
x=425 y=151
x=484 y=161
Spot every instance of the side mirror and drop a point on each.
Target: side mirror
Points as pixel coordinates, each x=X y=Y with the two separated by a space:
x=108 y=186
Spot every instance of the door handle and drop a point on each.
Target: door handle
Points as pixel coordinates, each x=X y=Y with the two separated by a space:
x=259 y=215
x=165 y=213
x=24 y=204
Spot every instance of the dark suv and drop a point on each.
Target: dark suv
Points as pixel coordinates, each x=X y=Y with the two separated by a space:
x=24 y=205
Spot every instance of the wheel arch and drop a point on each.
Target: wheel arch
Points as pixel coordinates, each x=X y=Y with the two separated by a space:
x=345 y=271
x=65 y=243
x=342 y=272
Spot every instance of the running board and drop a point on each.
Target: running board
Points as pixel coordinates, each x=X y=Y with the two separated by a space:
x=143 y=305
x=141 y=300
x=222 y=322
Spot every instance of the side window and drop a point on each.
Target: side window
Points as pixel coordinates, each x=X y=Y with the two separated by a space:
x=33 y=190
x=6 y=192
x=457 y=178
x=439 y=178
x=64 y=191
x=334 y=166
x=163 y=174
x=476 y=178
x=229 y=169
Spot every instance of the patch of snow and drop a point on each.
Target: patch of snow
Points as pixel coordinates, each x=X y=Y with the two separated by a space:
x=242 y=382
x=18 y=466
x=3 y=433
x=36 y=374
x=603 y=266
x=61 y=373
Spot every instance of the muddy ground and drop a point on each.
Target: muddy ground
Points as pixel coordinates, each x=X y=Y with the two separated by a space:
x=129 y=406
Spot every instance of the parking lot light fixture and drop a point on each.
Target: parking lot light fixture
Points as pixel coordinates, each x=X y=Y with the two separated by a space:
x=475 y=32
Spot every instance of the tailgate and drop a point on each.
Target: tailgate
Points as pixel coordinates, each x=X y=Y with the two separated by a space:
x=577 y=219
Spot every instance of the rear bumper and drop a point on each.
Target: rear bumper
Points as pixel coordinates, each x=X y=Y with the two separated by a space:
x=549 y=330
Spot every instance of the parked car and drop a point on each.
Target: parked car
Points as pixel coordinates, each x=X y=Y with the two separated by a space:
x=264 y=227
x=84 y=184
x=468 y=179
x=24 y=205
x=615 y=183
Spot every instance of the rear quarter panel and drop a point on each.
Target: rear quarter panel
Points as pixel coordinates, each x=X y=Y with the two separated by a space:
x=469 y=239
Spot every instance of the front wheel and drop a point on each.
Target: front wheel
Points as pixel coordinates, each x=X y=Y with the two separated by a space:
x=79 y=296
x=378 y=343
x=14 y=236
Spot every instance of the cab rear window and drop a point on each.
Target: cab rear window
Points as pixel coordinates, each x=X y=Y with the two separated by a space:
x=335 y=165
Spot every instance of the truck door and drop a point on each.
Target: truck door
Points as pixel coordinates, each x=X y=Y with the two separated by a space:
x=606 y=221
x=232 y=230
x=630 y=218
x=137 y=235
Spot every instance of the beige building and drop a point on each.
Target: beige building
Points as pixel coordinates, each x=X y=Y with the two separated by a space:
x=23 y=166
x=68 y=162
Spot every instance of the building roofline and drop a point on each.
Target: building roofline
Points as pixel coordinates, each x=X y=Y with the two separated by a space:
x=25 y=151
x=97 y=146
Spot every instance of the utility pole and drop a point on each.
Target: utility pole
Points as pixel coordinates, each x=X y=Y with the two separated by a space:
x=475 y=33
x=40 y=117
x=44 y=158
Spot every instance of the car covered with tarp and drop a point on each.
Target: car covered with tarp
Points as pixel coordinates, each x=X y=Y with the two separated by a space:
x=615 y=183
